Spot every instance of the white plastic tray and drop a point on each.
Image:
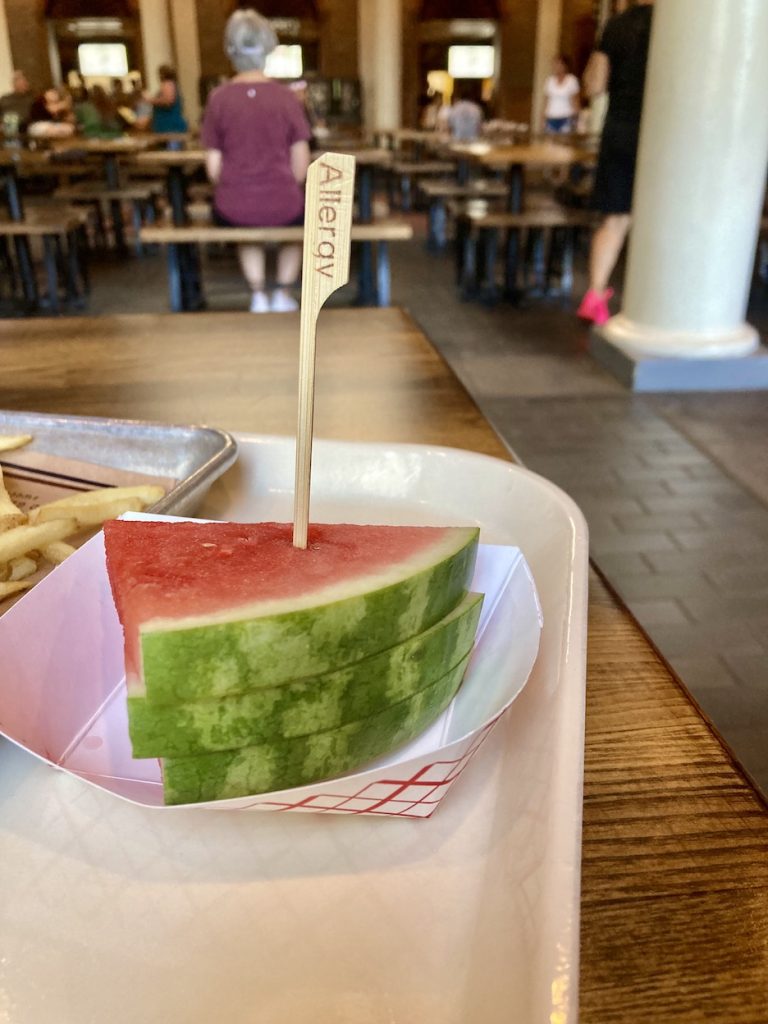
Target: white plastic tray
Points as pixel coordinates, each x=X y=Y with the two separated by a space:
x=109 y=911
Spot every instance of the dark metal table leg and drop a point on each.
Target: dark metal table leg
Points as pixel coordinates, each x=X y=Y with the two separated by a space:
x=112 y=176
x=13 y=195
x=512 y=265
x=136 y=216
x=174 y=279
x=116 y=210
x=365 y=194
x=187 y=290
x=566 y=268
x=469 y=264
x=515 y=196
x=383 y=277
x=26 y=271
x=437 y=237
x=489 y=243
x=82 y=259
x=49 y=249
x=366 y=285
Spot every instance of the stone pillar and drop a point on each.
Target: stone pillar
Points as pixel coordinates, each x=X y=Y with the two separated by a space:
x=156 y=39
x=548 y=26
x=381 y=63
x=700 y=182
x=187 y=45
x=6 y=58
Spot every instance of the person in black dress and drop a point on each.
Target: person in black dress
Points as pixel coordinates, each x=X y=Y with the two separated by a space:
x=617 y=66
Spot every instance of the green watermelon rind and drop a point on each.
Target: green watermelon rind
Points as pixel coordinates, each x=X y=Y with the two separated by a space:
x=312 y=705
x=270 y=767
x=205 y=662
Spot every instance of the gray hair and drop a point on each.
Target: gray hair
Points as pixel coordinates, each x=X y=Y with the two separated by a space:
x=248 y=40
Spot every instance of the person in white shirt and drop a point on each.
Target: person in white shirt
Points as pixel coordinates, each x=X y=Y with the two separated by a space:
x=562 y=97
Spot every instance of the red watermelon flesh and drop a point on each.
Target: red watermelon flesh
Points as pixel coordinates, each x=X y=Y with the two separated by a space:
x=172 y=576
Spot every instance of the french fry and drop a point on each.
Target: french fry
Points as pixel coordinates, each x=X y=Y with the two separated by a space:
x=57 y=552
x=7 y=589
x=10 y=441
x=22 y=567
x=10 y=516
x=22 y=539
x=144 y=494
x=92 y=514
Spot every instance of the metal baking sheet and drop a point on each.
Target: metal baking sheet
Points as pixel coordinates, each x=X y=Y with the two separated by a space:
x=192 y=456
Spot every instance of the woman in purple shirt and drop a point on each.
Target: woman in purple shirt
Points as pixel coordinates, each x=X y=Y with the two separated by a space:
x=257 y=137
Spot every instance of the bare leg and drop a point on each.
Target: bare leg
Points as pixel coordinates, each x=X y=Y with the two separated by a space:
x=288 y=265
x=252 y=265
x=607 y=243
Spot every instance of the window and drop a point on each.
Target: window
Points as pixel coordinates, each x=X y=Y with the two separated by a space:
x=107 y=59
x=285 y=62
x=471 y=61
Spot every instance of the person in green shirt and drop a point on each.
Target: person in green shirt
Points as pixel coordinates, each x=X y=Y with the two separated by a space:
x=97 y=117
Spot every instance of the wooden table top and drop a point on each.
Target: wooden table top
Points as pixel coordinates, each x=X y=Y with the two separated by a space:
x=545 y=154
x=103 y=147
x=412 y=134
x=675 y=868
x=24 y=157
x=170 y=157
x=372 y=156
x=180 y=157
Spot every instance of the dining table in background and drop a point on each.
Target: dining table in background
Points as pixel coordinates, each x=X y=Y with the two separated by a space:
x=674 y=891
x=415 y=140
x=111 y=152
x=513 y=159
x=183 y=260
x=179 y=164
x=367 y=161
x=12 y=159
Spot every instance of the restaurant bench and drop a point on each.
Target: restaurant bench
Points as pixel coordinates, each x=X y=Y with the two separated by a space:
x=142 y=200
x=60 y=233
x=403 y=173
x=550 y=232
x=439 y=193
x=379 y=232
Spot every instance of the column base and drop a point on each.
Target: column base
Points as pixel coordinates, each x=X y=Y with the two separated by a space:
x=642 y=342
x=640 y=371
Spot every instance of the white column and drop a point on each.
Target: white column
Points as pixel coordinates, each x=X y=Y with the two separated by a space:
x=187 y=45
x=700 y=182
x=6 y=58
x=548 y=25
x=156 y=39
x=380 y=62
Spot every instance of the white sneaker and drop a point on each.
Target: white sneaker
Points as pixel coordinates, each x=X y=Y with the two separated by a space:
x=259 y=302
x=282 y=302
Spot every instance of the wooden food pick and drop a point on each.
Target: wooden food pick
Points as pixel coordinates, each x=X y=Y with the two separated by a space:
x=327 y=229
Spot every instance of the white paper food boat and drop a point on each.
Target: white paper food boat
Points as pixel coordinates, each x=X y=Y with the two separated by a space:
x=62 y=694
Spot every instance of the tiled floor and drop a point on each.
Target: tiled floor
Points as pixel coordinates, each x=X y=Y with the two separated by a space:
x=675 y=488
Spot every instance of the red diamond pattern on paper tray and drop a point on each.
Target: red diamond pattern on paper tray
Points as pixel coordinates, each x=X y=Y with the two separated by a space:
x=416 y=796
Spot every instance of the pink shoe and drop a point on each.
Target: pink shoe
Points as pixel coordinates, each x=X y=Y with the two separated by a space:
x=594 y=307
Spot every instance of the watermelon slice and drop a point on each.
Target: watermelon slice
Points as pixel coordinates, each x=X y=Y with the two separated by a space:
x=283 y=764
x=324 y=702
x=215 y=609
